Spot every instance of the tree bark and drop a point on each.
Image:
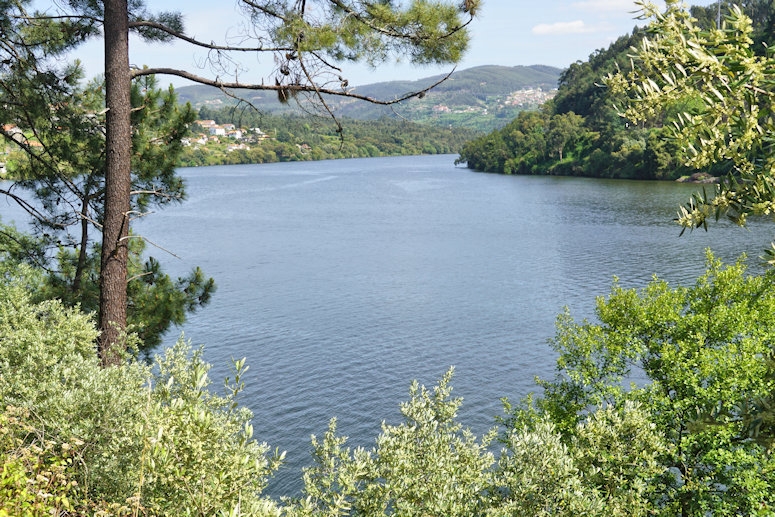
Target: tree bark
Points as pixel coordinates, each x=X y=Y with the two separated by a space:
x=83 y=251
x=118 y=182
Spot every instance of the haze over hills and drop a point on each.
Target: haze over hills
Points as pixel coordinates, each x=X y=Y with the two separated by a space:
x=481 y=98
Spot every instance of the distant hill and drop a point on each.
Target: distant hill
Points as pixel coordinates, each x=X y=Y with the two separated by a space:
x=481 y=98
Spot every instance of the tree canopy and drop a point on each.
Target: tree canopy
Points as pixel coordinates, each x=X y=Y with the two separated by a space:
x=58 y=169
x=308 y=41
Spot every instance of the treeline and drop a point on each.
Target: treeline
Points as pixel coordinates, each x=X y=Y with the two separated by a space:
x=300 y=138
x=581 y=133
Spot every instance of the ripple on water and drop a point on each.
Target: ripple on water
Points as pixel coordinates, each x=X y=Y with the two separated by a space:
x=342 y=281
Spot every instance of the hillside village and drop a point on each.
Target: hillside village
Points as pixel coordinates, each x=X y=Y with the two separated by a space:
x=529 y=98
x=479 y=99
x=204 y=132
x=476 y=100
x=208 y=132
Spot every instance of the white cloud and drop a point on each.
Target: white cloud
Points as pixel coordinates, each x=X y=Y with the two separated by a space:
x=558 y=28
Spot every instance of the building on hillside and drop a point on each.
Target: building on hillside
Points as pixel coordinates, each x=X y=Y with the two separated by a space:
x=260 y=135
x=13 y=132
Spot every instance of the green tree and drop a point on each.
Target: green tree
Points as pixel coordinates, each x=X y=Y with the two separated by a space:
x=606 y=468
x=700 y=353
x=307 y=39
x=731 y=121
x=427 y=465
x=63 y=177
x=564 y=129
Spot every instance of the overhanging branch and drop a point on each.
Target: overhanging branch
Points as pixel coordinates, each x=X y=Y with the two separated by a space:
x=298 y=88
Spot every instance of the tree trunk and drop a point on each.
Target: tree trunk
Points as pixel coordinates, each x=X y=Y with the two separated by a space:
x=118 y=146
x=83 y=252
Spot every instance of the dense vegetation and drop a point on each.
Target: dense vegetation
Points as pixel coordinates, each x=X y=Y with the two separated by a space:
x=581 y=133
x=295 y=138
x=78 y=439
x=62 y=183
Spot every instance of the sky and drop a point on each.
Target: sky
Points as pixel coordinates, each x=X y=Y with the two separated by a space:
x=506 y=32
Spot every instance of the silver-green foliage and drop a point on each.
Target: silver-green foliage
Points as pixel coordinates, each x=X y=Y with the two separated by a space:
x=719 y=90
x=427 y=465
x=430 y=466
x=157 y=441
x=604 y=468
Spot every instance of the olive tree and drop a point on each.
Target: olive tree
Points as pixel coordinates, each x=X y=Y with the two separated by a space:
x=730 y=115
x=80 y=439
x=427 y=465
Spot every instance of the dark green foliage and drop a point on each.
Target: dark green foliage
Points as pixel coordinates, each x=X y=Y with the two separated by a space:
x=297 y=138
x=58 y=163
x=606 y=145
x=157 y=302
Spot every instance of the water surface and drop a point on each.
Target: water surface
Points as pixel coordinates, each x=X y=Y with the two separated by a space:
x=341 y=281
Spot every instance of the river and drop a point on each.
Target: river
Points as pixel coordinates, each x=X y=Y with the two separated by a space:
x=341 y=281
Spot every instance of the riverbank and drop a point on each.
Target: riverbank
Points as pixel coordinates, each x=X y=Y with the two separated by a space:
x=699 y=178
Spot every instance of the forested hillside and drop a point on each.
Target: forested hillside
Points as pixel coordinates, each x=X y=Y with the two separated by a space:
x=300 y=138
x=480 y=98
x=580 y=132
x=469 y=103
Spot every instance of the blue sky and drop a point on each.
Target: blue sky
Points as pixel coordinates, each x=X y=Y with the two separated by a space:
x=507 y=32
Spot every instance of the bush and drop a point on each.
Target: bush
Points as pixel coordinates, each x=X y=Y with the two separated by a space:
x=155 y=441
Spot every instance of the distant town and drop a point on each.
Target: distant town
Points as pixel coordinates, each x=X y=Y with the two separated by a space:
x=526 y=99
x=530 y=97
x=207 y=132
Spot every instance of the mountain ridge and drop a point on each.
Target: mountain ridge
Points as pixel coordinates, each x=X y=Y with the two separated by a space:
x=477 y=97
